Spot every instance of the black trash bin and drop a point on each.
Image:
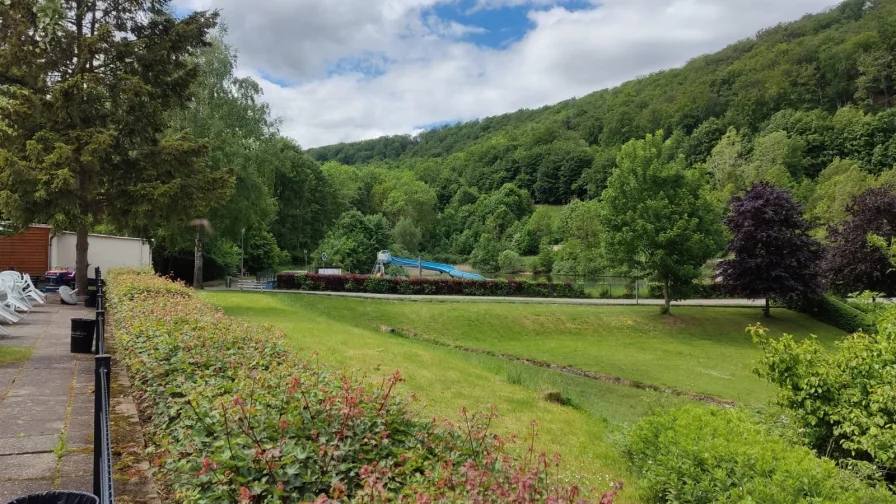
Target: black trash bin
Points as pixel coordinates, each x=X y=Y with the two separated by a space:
x=90 y=300
x=82 y=335
x=57 y=497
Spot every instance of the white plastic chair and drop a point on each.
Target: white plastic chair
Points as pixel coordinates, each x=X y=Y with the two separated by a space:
x=23 y=281
x=9 y=315
x=12 y=296
x=23 y=286
x=32 y=290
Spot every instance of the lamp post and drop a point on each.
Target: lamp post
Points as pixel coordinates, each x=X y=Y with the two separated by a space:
x=242 y=253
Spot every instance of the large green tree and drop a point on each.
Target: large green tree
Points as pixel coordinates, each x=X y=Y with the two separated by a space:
x=85 y=91
x=307 y=201
x=657 y=217
x=352 y=244
x=228 y=114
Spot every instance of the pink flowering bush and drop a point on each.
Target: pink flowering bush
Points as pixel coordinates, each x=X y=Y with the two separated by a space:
x=234 y=415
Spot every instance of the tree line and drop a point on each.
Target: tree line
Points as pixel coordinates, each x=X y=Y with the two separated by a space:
x=634 y=180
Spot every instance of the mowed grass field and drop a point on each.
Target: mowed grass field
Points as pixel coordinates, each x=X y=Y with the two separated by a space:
x=700 y=350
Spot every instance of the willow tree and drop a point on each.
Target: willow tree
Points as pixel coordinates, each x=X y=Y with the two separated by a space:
x=85 y=89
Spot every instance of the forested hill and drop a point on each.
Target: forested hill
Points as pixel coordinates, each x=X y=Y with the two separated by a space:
x=796 y=78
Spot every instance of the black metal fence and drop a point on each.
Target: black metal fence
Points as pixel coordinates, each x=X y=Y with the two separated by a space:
x=102 y=440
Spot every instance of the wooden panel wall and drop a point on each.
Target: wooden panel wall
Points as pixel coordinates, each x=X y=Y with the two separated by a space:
x=27 y=252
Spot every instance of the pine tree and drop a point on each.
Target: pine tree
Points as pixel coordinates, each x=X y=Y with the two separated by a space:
x=85 y=86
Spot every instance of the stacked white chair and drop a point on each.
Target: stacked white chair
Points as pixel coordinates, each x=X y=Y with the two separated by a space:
x=17 y=294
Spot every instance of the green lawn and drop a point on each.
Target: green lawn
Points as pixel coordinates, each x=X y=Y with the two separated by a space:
x=11 y=354
x=445 y=380
x=702 y=350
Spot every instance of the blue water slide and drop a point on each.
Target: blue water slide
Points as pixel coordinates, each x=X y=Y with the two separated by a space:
x=432 y=266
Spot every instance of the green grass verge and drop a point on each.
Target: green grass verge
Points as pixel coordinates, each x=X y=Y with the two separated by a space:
x=446 y=380
x=702 y=350
x=11 y=354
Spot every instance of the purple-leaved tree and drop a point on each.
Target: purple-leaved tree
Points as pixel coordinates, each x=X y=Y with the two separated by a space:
x=773 y=256
x=850 y=263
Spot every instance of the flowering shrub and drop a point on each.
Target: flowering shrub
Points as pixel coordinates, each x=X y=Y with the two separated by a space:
x=234 y=415
x=426 y=286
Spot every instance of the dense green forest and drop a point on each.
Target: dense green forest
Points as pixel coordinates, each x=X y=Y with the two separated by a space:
x=807 y=106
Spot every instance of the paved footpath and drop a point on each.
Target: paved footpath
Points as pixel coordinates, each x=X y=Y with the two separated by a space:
x=46 y=407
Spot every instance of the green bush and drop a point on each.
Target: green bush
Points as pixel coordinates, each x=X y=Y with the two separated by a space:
x=831 y=310
x=485 y=255
x=235 y=415
x=510 y=262
x=844 y=401
x=701 y=454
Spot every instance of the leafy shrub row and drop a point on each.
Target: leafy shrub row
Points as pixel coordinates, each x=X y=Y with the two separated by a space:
x=426 y=286
x=233 y=415
x=843 y=401
x=706 y=455
x=835 y=312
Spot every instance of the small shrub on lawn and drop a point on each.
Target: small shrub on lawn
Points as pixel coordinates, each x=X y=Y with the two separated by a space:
x=700 y=454
x=234 y=415
x=427 y=286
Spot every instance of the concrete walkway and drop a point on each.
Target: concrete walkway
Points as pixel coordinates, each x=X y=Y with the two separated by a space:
x=730 y=303
x=46 y=407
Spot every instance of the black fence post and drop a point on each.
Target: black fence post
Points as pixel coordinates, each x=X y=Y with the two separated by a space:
x=102 y=439
x=102 y=462
x=100 y=332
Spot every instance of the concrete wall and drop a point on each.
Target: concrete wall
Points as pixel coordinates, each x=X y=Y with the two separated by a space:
x=107 y=252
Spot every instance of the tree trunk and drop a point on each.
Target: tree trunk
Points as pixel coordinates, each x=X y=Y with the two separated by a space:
x=197 y=259
x=767 y=311
x=81 y=259
x=667 y=299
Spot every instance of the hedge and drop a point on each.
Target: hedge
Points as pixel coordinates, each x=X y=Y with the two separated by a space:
x=700 y=454
x=233 y=414
x=835 y=312
x=426 y=286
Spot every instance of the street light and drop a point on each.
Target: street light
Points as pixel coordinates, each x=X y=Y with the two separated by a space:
x=242 y=253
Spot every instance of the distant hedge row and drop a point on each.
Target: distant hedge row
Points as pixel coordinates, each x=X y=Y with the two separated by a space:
x=835 y=312
x=426 y=286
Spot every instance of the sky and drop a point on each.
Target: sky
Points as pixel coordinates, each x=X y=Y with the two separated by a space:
x=346 y=70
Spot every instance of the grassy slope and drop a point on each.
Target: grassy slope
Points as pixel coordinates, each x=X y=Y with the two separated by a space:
x=701 y=350
x=446 y=380
x=10 y=354
x=346 y=333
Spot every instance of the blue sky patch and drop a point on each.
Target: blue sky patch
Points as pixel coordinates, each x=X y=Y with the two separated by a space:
x=504 y=25
x=369 y=64
x=275 y=80
x=181 y=12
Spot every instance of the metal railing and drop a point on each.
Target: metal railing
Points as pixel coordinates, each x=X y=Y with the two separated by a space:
x=102 y=439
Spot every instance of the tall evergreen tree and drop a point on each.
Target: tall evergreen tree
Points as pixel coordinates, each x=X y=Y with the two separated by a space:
x=773 y=255
x=85 y=86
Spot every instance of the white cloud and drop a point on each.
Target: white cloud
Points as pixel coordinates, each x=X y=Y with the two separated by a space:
x=425 y=72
